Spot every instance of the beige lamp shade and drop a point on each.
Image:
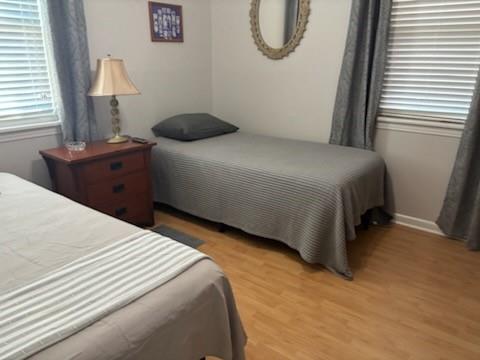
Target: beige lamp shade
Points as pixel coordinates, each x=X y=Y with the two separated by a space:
x=112 y=79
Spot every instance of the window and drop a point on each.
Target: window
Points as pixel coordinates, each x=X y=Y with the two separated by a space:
x=433 y=62
x=26 y=89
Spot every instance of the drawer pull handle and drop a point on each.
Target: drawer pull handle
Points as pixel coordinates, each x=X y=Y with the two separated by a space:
x=118 y=188
x=120 y=211
x=116 y=165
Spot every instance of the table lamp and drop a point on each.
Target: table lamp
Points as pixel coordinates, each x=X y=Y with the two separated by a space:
x=112 y=80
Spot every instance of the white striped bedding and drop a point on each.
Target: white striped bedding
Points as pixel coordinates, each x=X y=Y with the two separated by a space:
x=67 y=300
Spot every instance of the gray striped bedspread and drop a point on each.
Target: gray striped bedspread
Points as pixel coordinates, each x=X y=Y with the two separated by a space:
x=308 y=195
x=73 y=297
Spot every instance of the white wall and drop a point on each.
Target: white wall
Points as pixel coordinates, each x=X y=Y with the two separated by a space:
x=419 y=166
x=294 y=98
x=21 y=157
x=172 y=77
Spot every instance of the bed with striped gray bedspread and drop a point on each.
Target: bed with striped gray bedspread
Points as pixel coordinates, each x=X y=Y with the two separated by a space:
x=75 y=296
x=308 y=195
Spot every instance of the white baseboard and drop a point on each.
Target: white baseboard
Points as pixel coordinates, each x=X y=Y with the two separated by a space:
x=416 y=223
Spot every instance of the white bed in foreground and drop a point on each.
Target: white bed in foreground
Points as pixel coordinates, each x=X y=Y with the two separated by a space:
x=190 y=316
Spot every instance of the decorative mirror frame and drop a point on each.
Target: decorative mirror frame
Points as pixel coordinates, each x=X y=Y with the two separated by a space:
x=290 y=46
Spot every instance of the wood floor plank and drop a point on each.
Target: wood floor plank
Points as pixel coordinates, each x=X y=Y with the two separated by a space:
x=415 y=295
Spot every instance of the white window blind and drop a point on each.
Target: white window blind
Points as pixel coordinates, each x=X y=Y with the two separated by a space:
x=25 y=81
x=433 y=60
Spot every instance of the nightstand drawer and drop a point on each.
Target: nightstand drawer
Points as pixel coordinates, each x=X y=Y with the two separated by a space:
x=121 y=187
x=135 y=209
x=114 y=179
x=113 y=167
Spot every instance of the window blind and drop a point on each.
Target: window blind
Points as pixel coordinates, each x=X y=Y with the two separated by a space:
x=433 y=60
x=25 y=86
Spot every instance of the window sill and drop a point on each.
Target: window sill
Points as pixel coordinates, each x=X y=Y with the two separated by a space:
x=29 y=131
x=419 y=127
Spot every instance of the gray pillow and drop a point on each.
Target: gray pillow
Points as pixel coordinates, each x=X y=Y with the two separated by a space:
x=188 y=127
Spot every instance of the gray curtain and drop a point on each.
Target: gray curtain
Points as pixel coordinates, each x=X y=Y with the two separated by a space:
x=291 y=19
x=70 y=48
x=460 y=215
x=360 y=83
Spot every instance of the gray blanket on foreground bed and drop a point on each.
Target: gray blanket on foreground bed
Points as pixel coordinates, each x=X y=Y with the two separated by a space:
x=308 y=195
x=87 y=290
x=42 y=234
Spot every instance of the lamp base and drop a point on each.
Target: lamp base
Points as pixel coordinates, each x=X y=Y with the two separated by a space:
x=117 y=139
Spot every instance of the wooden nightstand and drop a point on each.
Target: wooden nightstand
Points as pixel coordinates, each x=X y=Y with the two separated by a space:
x=114 y=179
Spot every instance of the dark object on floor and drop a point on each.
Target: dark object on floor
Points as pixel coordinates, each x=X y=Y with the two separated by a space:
x=367 y=219
x=178 y=236
x=222 y=228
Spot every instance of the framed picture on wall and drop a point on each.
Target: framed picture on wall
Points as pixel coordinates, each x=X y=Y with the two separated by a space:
x=166 y=22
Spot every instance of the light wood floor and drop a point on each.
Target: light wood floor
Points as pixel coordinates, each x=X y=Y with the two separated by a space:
x=414 y=296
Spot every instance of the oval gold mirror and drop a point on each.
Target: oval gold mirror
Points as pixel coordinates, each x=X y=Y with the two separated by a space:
x=278 y=25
